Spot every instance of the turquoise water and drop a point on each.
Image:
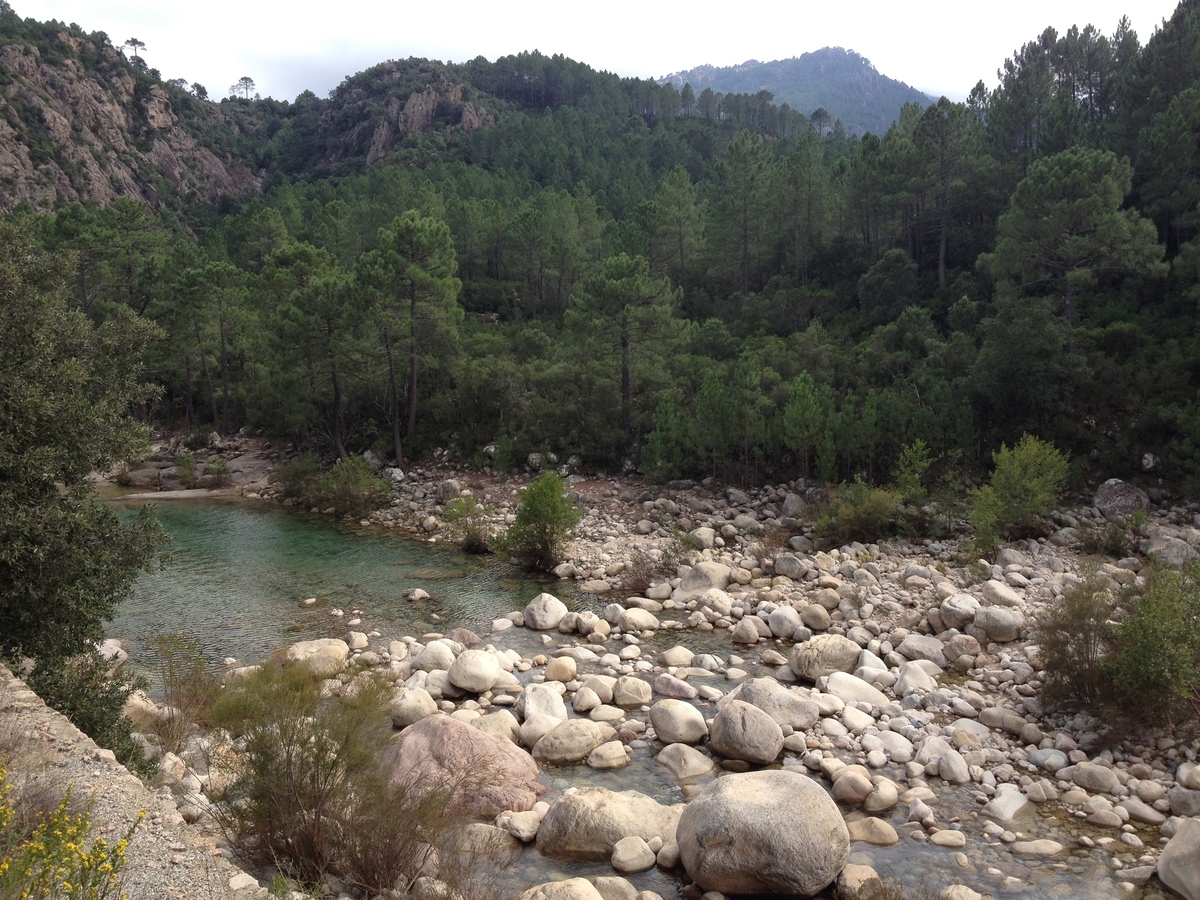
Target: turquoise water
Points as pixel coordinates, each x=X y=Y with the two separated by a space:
x=236 y=576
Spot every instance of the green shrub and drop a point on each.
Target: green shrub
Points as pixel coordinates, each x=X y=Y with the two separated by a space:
x=467 y=521
x=87 y=691
x=1024 y=485
x=914 y=462
x=312 y=798
x=1117 y=537
x=1156 y=662
x=860 y=513
x=351 y=487
x=545 y=522
x=218 y=468
x=1075 y=635
x=293 y=475
x=186 y=465
x=303 y=756
x=190 y=688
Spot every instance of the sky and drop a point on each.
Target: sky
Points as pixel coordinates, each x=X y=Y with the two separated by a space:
x=937 y=46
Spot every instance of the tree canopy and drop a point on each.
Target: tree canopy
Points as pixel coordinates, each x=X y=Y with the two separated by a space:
x=65 y=391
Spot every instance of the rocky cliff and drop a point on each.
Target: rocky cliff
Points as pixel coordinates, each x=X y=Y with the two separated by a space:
x=78 y=121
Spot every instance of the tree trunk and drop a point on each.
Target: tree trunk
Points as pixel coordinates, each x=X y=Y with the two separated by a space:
x=339 y=440
x=412 y=364
x=625 y=391
x=393 y=387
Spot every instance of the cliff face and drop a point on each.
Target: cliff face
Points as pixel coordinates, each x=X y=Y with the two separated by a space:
x=79 y=122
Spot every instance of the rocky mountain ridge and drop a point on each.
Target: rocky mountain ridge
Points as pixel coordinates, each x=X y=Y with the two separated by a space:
x=79 y=122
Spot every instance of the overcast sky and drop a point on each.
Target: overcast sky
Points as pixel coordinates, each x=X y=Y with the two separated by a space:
x=938 y=46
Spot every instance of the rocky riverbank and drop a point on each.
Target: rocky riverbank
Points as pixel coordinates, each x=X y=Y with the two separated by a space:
x=901 y=683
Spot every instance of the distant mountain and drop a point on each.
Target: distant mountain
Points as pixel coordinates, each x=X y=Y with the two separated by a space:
x=840 y=81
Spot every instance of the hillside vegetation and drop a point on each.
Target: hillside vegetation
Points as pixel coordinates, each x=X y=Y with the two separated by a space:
x=495 y=258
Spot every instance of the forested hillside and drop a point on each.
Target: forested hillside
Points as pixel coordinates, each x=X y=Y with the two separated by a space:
x=831 y=85
x=528 y=254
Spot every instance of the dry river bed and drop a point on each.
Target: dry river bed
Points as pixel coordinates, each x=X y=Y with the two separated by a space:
x=904 y=688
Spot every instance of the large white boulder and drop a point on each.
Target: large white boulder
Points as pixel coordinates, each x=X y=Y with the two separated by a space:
x=742 y=731
x=774 y=832
x=1179 y=864
x=323 y=657
x=587 y=823
x=824 y=655
x=544 y=612
x=676 y=721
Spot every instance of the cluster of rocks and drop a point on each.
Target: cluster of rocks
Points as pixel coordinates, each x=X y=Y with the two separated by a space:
x=890 y=698
x=901 y=690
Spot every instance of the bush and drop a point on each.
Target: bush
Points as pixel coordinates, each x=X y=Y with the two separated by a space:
x=351 y=487
x=860 y=513
x=190 y=688
x=1117 y=537
x=54 y=859
x=914 y=462
x=312 y=798
x=1075 y=636
x=1024 y=486
x=219 y=469
x=545 y=523
x=467 y=523
x=1156 y=662
x=303 y=756
x=293 y=475
x=92 y=697
x=186 y=465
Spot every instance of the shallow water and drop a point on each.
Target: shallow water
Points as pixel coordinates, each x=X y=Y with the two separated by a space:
x=236 y=576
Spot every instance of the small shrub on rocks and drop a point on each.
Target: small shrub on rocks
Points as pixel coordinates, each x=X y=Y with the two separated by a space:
x=545 y=522
x=467 y=522
x=351 y=487
x=294 y=474
x=1156 y=661
x=860 y=513
x=312 y=798
x=1024 y=486
x=88 y=692
x=190 y=688
x=1075 y=635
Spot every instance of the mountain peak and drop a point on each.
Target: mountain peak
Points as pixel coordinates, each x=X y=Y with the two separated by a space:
x=841 y=81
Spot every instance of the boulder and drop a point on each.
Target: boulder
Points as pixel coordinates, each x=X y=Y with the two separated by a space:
x=568 y=889
x=475 y=670
x=783 y=621
x=790 y=566
x=774 y=832
x=998 y=593
x=1179 y=864
x=586 y=824
x=544 y=612
x=542 y=700
x=323 y=657
x=1117 y=499
x=685 y=762
x=824 y=655
x=632 y=854
x=484 y=773
x=1095 y=778
x=569 y=742
x=700 y=578
x=922 y=646
x=849 y=688
x=1001 y=624
x=412 y=705
x=635 y=620
x=787 y=707
x=675 y=721
x=742 y=731
x=959 y=610
x=630 y=692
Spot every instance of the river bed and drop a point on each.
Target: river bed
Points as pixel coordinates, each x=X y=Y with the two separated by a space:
x=237 y=575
